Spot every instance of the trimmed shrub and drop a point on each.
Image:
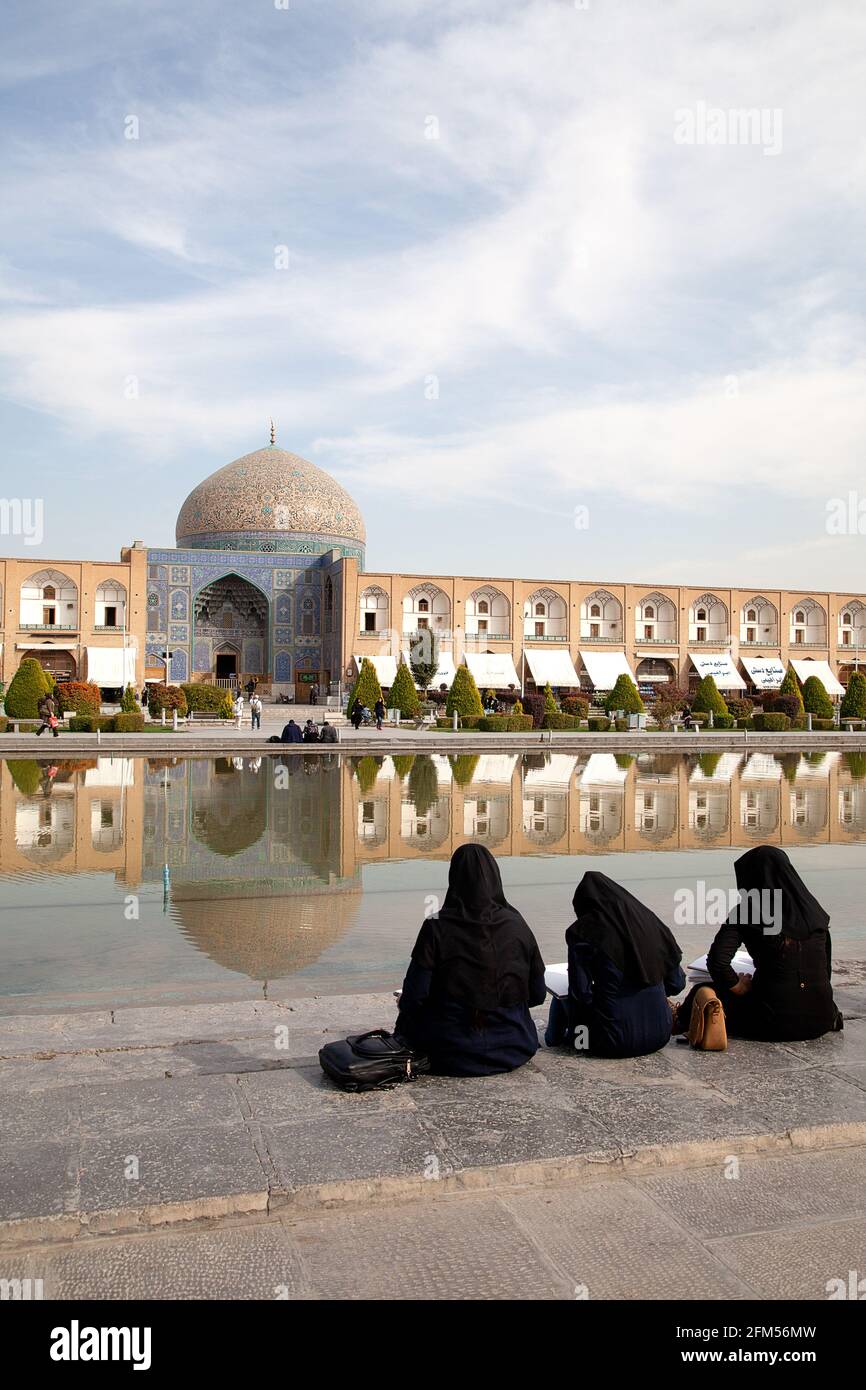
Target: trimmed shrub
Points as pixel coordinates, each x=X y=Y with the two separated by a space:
x=772 y=723
x=791 y=686
x=463 y=695
x=823 y=724
x=550 y=705
x=854 y=700
x=740 y=707
x=404 y=696
x=791 y=705
x=79 y=697
x=621 y=726
x=599 y=726
x=724 y=721
x=366 y=690
x=576 y=705
x=128 y=723
x=505 y=724
x=816 y=700
x=26 y=689
x=4 y=724
x=533 y=705
x=174 y=697
x=624 y=696
x=91 y=723
x=708 y=697
x=128 y=702
x=560 y=721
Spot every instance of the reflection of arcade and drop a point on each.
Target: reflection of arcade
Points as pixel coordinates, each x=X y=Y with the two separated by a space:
x=556 y=803
x=253 y=853
x=71 y=816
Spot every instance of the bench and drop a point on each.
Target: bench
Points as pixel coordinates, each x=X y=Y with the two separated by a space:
x=212 y=714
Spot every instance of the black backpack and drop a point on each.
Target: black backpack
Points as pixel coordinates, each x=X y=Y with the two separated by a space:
x=371 y=1061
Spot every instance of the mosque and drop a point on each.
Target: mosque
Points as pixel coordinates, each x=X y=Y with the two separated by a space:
x=268 y=579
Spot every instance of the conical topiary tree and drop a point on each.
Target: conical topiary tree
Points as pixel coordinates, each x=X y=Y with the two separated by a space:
x=463 y=768
x=708 y=697
x=854 y=700
x=403 y=764
x=816 y=700
x=26 y=689
x=128 y=703
x=366 y=771
x=366 y=690
x=463 y=695
x=791 y=686
x=624 y=696
x=550 y=705
x=404 y=696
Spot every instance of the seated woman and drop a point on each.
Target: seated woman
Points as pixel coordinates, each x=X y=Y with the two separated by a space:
x=623 y=962
x=786 y=932
x=475 y=972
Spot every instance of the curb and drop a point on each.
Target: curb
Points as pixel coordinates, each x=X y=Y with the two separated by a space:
x=209 y=1211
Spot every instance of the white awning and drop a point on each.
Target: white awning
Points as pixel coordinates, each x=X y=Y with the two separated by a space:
x=492 y=670
x=445 y=671
x=384 y=666
x=554 y=668
x=111 y=666
x=821 y=669
x=722 y=771
x=604 y=667
x=761 y=767
x=720 y=666
x=765 y=672
x=602 y=769
x=495 y=768
x=45 y=646
x=558 y=771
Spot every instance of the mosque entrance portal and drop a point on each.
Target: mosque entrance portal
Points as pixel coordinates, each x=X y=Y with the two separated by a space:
x=231 y=630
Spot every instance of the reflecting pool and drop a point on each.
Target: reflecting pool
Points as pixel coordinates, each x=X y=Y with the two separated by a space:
x=160 y=879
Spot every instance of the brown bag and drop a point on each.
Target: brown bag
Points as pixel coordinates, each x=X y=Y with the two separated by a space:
x=707 y=1031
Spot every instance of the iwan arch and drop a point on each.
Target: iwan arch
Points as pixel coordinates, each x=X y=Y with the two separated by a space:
x=268 y=578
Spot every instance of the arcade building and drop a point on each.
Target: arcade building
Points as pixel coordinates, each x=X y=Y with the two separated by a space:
x=268 y=579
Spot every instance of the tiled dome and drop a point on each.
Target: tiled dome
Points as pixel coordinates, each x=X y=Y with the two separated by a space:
x=268 y=493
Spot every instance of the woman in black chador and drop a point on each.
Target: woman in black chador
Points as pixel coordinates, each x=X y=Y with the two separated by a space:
x=474 y=975
x=623 y=963
x=787 y=933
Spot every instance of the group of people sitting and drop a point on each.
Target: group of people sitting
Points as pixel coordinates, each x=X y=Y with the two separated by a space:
x=293 y=733
x=476 y=971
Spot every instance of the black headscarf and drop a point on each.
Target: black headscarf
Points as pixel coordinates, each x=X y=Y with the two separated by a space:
x=631 y=936
x=479 y=948
x=767 y=868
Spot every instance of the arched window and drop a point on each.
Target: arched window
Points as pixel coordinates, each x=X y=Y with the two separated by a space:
x=846 y=618
x=49 y=592
x=423 y=605
x=701 y=615
x=595 y=611
x=799 y=616
x=483 y=606
x=539 y=610
x=649 y=611
x=752 y=616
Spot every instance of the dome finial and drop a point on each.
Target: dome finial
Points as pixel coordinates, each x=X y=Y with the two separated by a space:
x=273 y=432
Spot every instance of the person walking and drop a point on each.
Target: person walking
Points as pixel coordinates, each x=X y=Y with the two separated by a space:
x=379 y=712
x=251 y=687
x=357 y=715
x=314 y=694
x=239 y=709
x=48 y=714
x=256 y=711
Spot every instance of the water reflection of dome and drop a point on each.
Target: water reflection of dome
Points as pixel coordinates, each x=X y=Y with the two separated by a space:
x=230 y=813
x=266 y=938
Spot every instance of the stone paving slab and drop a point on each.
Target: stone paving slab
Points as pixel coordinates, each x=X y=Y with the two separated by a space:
x=221 y=1119
x=787 y=1228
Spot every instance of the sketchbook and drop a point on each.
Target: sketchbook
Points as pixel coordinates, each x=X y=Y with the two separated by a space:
x=698 y=974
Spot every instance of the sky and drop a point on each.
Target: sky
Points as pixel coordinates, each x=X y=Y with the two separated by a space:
x=514 y=271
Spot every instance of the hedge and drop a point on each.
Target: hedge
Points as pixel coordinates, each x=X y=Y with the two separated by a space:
x=128 y=724
x=823 y=724
x=723 y=721
x=505 y=724
x=576 y=705
x=561 y=721
x=81 y=697
x=466 y=721
x=791 y=705
x=599 y=726
x=772 y=723
x=204 y=696
x=91 y=723
x=171 y=697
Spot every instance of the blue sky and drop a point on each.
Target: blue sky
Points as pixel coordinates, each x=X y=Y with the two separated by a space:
x=510 y=290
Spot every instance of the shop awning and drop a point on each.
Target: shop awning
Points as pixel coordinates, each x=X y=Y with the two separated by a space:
x=111 y=666
x=492 y=670
x=385 y=667
x=821 y=669
x=558 y=771
x=602 y=769
x=445 y=671
x=765 y=672
x=555 y=668
x=761 y=767
x=720 y=666
x=604 y=667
